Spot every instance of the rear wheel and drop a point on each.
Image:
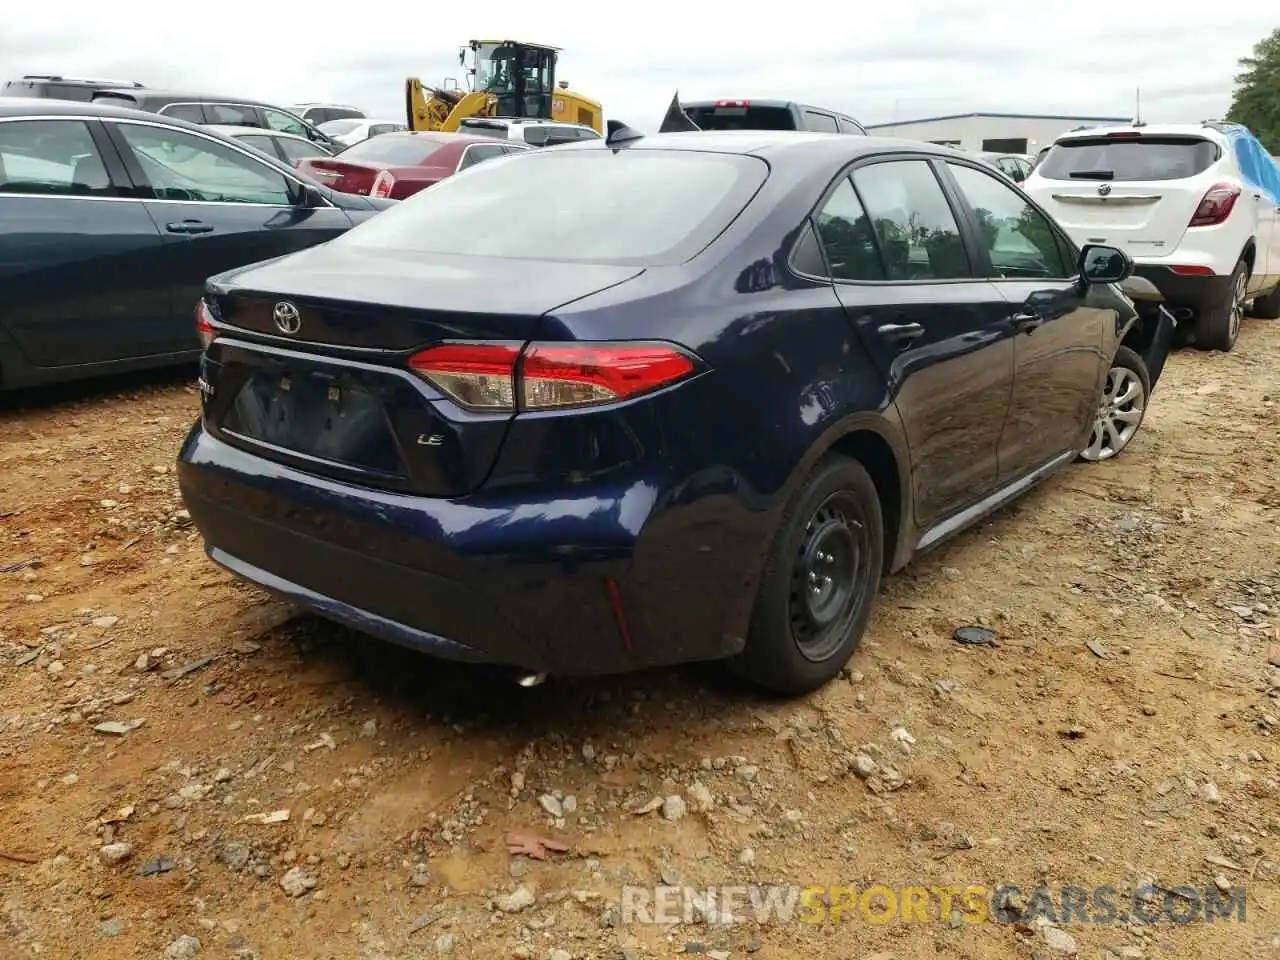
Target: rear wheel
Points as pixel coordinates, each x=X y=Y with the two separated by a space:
x=1219 y=326
x=819 y=584
x=1268 y=307
x=1121 y=408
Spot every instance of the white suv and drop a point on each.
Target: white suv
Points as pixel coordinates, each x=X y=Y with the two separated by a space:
x=536 y=133
x=1197 y=207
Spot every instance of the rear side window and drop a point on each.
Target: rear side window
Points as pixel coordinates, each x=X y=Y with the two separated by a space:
x=1139 y=158
x=319 y=115
x=916 y=229
x=394 y=151
x=191 y=112
x=380 y=128
x=295 y=150
x=227 y=114
x=847 y=236
x=848 y=126
x=567 y=205
x=43 y=89
x=820 y=122
x=54 y=157
x=742 y=118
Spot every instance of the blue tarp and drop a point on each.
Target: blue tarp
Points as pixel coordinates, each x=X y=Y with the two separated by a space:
x=1256 y=166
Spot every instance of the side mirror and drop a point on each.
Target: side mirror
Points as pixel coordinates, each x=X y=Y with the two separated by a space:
x=309 y=196
x=1101 y=264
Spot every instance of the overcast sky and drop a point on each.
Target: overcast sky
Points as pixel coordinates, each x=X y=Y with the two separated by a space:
x=877 y=62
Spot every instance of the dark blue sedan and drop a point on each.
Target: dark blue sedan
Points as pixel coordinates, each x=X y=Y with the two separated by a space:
x=674 y=398
x=112 y=219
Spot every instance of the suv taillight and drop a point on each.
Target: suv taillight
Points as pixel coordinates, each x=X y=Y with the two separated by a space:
x=1215 y=206
x=382 y=185
x=499 y=377
x=204 y=328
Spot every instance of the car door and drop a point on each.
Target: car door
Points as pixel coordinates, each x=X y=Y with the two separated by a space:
x=939 y=336
x=217 y=206
x=1060 y=324
x=81 y=262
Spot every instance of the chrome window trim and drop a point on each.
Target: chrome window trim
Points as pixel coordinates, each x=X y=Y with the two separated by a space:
x=230 y=141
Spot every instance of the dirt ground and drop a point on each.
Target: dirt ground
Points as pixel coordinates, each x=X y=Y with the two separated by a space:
x=1122 y=732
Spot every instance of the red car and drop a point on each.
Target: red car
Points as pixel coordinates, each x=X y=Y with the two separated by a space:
x=398 y=165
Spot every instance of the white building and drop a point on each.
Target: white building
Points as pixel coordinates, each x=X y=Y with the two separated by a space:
x=996 y=132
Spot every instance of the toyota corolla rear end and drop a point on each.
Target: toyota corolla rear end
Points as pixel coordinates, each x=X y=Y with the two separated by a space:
x=433 y=432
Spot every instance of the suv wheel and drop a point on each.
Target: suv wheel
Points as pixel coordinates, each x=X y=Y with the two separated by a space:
x=1218 y=327
x=1268 y=307
x=1121 y=408
x=819 y=583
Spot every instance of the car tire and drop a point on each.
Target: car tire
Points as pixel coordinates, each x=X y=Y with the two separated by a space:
x=819 y=583
x=1121 y=408
x=1268 y=307
x=1219 y=326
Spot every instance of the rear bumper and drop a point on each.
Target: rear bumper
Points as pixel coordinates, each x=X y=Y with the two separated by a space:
x=1197 y=293
x=592 y=581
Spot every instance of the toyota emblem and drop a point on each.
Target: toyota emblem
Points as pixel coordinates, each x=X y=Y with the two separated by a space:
x=1103 y=191
x=287 y=318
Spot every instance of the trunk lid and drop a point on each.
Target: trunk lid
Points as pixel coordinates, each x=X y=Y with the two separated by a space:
x=345 y=175
x=336 y=396
x=1134 y=192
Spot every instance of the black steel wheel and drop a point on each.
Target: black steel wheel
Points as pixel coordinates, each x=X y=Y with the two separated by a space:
x=816 y=594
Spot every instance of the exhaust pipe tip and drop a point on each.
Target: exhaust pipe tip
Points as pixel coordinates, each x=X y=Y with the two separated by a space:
x=528 y=680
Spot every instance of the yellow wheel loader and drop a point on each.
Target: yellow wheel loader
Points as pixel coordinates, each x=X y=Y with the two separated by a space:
x=506 y=78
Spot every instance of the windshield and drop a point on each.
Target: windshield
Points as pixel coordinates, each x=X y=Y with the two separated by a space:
x=336 y=128
x=409 y=150
x=649 y=207
x=1137 y=158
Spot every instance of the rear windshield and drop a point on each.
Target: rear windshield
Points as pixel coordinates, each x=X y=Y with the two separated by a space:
x=650 y=207
x=394 y=151
x=710 y=117
x=336 y=128
x=1147 y=158
x=48 y=90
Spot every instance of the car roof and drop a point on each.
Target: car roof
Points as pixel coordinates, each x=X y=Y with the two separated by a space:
x=1202 y=130
x=435 y=135
x=236 y=130
x=31 y=106
x=770 y=144
x=178 y=96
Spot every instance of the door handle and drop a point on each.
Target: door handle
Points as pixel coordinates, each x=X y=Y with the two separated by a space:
x=897 y=332
x=189 y=226
x=1026 y=322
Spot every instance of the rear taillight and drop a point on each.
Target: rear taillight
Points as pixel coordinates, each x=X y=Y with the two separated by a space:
x=382 y=185
x=548 y=376
x=1216 y=205
x=204 y=326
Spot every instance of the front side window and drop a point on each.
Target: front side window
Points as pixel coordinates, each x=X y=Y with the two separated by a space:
x=181 y=166
x=567 y=204
x=1018 y=237
x=279 y=120
x=53 y=157
x=845 y=232
x=262 y=143
x=295 y=150
x=915 y=226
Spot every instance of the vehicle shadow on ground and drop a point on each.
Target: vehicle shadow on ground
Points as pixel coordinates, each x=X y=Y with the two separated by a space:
x=430 y=696
x=106 y=389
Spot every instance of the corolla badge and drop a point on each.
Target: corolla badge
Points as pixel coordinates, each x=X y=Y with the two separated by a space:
x=287 y=318
x=1103 y=190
